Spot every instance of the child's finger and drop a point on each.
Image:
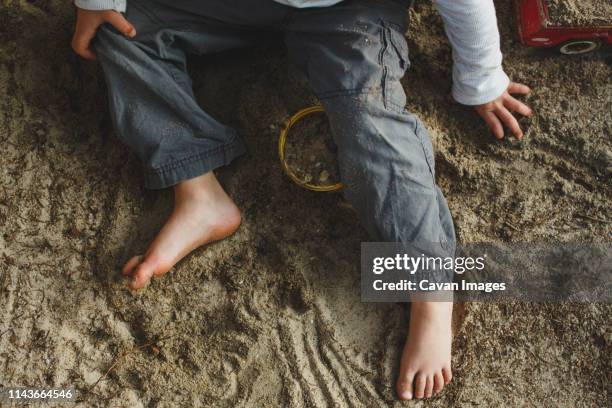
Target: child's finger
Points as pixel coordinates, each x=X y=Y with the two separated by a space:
x=515 y=88
x=510 y=121
x=517 y=106
x=494 y=124
x=80 y=44
x=88 y=54
x=120 y=23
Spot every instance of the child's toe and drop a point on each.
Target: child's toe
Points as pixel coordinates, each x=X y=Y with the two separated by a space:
x=141 y=276
x=404 y=386
x=438 y=382
x=447 y=374
x=429 y=386
x=421 y=382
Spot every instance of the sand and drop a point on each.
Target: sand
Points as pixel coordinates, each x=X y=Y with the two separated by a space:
x=271 y=316
x=575 y=13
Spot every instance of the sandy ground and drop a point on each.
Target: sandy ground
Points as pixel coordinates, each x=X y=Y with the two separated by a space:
x=580 y=12
x=271 y=316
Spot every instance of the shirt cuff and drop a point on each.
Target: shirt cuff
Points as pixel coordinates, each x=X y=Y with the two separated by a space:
x=117 y=5
x=480 y=89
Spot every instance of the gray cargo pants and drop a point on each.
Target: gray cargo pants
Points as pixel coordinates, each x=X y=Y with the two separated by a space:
x=354 y=55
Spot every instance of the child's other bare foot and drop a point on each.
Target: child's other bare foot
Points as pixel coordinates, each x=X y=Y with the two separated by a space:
x=426 y=360
x=202 y=213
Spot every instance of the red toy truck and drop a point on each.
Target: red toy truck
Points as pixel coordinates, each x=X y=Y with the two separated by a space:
x=536 y=29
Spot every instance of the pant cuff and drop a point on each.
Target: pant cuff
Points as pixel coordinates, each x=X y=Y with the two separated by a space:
x=192 y=166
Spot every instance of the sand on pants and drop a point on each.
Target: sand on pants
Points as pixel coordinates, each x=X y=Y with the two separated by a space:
x=272 y=316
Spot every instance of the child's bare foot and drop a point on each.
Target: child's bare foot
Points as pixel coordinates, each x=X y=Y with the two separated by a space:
x=426 y=360
x=202 y=213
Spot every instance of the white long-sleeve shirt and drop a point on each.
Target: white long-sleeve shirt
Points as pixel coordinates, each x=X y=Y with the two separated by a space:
x=471 y=27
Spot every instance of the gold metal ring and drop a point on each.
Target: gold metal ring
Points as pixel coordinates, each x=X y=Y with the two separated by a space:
x=281 y=151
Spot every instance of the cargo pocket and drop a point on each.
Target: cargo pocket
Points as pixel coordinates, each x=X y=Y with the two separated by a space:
x=395 y=62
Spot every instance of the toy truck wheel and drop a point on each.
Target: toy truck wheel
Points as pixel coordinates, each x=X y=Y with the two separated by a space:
x=576 y=47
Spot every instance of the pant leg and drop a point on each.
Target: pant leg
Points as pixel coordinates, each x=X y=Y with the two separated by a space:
x=151 y=100
x=354 y=55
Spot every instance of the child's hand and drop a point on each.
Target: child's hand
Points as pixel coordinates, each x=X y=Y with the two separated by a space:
x=87 y=24
x=497 y=112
